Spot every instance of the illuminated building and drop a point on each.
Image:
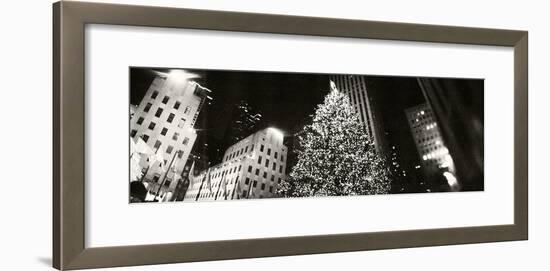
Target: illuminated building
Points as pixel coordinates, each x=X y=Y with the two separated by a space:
x=251 y=168
x=432 y=151
x=165 y=120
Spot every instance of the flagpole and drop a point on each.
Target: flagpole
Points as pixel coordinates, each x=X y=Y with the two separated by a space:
x=149 y=166
x=165 y=174
x=206 y=174
x=219 y=185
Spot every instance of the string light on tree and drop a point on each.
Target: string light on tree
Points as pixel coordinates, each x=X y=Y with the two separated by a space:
x=336 y=157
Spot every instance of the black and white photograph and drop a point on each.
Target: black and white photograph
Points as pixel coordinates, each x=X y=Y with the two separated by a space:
x=218 y=135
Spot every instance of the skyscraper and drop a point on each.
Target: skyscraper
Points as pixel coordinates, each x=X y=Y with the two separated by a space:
x=244 y=121
x=165 y=120
x=251 y=168
x=458 y=107
x=356 y=89
x=432 y=151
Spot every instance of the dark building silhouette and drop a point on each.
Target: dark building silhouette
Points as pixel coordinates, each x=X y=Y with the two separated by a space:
x=458 y=107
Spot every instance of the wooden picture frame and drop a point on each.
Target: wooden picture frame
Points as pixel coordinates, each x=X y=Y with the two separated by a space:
x=69 y=20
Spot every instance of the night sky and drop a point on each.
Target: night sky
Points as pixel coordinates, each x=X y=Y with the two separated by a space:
x=287 y=101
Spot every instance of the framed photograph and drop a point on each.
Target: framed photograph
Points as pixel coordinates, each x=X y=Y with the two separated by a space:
x=189 y=135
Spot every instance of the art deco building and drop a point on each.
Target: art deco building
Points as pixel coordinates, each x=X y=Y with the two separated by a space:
x=356 y=89
x=165 y=120
x=251 y=168
x=433 y=153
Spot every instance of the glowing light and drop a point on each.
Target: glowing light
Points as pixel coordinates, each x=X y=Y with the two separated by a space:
x=276 y=131
x=451 y=179
x=181 y=75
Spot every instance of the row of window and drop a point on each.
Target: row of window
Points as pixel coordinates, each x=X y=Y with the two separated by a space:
x=157 y=114
x=427 y=138
x=169 y=149
x=227 y=171
x=250 y=169
x=274 y=165
x=238 y=152
x=165 y=100
x=163 y=132
x=247 y=181
x=245 y=150
x=266 y=166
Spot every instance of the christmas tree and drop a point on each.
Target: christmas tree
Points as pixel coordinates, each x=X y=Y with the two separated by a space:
x=336 y=157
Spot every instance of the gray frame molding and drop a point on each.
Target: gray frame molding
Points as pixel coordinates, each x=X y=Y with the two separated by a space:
x=69 y=19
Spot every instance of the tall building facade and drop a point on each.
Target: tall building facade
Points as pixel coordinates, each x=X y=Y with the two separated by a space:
x=165 y=120
x=251 y=168
x=458 y=105
x=432 y=151
x=356 y=88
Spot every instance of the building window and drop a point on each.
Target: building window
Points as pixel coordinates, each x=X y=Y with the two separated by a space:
x=165 y=99
x=272 y=178
x=177 y=105
x=259 y=159
x=156 y=178
x=270 y=189
x=145 y=138
x=279 y=180
x=164 y=131
x=147 y=107
x=140 y=121
x=246 y=149
x=257 y=171
x=274 y=166
x=281 y=169
x=263 y=186
x=169 y=149
x=154 y=95
x=252 y=148
x=261 y=148
x=255 y=183
x=244 y=193
x=133 y=133
x=170 y=117
x=282 y=158
x=185 y=141
x=152 y=126
x=175 y=136
x=158 y=113
x=157 y=144
x=239 y=168
x=268 y=151
x=167 y=182
x=181 y=123
x=275 y=155
x=267 y=163
x=265 y=174
x=186 y=110
x=249 y=168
